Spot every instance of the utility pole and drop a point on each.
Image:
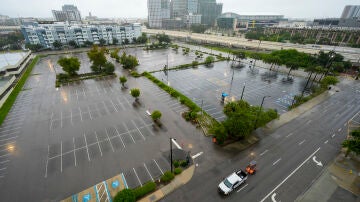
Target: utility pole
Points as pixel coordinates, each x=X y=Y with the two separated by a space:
x=257 y=116
x=242 y=93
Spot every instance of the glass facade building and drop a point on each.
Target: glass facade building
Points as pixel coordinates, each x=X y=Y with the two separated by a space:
x=158 y=10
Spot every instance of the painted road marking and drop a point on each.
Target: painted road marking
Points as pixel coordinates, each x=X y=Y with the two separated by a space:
x=326 y=141
x=158 y=166
x=119 y=136
x=148 y=172
x=137 y=176
x=175 y=143
x=47 y=161
x=97 y=140
x=138 y=129
x=74 y=151
x=242 y=187
x=277 y=161
x=333 y=135
x=61 y=156
x=300 y=143
x=290 y=134
x=124 y=180
x=273 y=197
x=344 y=124
x=197 y=155
x=339 y=129
x=112 y=148
x=87 y=149
x=292 y=173
x=264 y=152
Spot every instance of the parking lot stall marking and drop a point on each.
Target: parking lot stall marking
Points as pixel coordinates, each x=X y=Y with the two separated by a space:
x=9 y=138
x=74 y=151
x=124 y=180
x=11 y=125
x=97 y=140
x=107 y=192
x=147 y=170
x=8 y=154
x=47 y=161
x=80 y=114
x=7 y=134
x=118 y=134
x=112 y=148
x=61 y=155
x=87 y=148
x=137 y=176
x=127 y=129
x=2 y=162
x=71 y=118
x=112 y=105
x=146 y=125
x=138 y=129
x=89 y=112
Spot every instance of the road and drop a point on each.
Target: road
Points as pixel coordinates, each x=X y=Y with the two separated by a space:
x=289 y=160
x=348 y=53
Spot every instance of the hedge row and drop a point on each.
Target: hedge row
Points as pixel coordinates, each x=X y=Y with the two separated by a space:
x=144 y=190
x=61 y=80
x=4 y=110
x=174 y=93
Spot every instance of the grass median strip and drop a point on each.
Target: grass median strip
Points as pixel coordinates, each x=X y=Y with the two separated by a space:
x=4 y=110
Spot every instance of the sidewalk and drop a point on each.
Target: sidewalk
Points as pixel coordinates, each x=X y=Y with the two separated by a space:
x=179 y=180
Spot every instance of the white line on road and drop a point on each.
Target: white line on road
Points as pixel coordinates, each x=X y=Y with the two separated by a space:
x=242 y=188
x=128 y=131
x=61 y=156
x=112 y=148
x=137 y=176
x=119 y=136
x=264 y=152
x=300 y=143
x=87 y=149
x=344 y=124
x=339 y=129
x=197 y=155
x=277 y=161
x=138 y=129
x=98 y=142
x=333 y=135
x=74 y=151
x=47 y=161
x=148 y=172
x=176 y=144
x=273 y=197
x=158 y=166
x=290 y=135
x=326 y=141
x=292 y=173
x=308 y=122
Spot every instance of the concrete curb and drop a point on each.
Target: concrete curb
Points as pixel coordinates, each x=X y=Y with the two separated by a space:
x=179 y=180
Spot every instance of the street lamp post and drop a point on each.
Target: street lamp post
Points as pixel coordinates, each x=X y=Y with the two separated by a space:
x=242 y=93
x=171 y=155
x=332 y=55
x=257 y=116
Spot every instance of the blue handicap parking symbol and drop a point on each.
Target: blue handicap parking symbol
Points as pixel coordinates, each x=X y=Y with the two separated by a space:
x=115 y=184
x=86 y=198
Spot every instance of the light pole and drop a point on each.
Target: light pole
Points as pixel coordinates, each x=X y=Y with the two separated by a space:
x=257 y=116
x=332 y=55
x=171 y=157
x=242 y=93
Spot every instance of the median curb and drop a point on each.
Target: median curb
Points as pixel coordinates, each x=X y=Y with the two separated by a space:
x=179 y=180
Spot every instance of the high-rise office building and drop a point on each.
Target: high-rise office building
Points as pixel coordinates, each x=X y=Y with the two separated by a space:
x=178 y=8
x=158 y=11
x=192 y=6
x=68 y=13
x=351 y=12
x=209 y=11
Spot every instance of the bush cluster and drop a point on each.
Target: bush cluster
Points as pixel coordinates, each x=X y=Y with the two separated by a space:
x=177 y=171
x=167 y=177
x=144 y=190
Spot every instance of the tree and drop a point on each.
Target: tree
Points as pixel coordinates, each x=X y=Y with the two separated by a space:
x=126 y=41
x=88 y=43
x=123 y=80
x=125 y=195
x=73 y=44
x=70 y=65
x=163 y=38
x=97 y=57
x=115 y=41
x=198 y=28
x=109 y=68
x=128 y=61
x=57 y=44
x=135 y=92
x=209 y=60
x=102 y=42
x=134 y=40
x=142 y=39
x=33 y=47
x=328 y=80
x=156 y=115
x=353 y=143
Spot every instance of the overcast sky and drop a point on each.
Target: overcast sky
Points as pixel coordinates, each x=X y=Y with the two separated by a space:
x=138 y=8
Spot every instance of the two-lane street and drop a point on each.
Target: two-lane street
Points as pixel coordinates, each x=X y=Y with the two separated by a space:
x=289 y=160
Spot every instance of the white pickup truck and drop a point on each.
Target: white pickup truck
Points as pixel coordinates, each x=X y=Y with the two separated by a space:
x=233 y=181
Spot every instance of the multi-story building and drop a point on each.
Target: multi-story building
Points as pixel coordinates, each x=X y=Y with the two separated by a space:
x=178 y=9
x=209 y=11
x=247 y=20
x=68 y=13
x=351 y=12
x=158 y=11
x=47 y=34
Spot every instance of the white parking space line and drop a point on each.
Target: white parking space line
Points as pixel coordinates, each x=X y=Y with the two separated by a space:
x=148 y=172
x=8 y=138
x=112 y=148
x=158 y=167
x=61 y=161
x=8 y=154
x=87 y=149
x=61 y=124
x=300 y=143
x=81 y=118
x=47 y=161
x=333 y=135
x=112 y=105
x=9 y=134
x=89 y=112
x=339 y=129
x=119 y=136
x=71 y=118
x=13 y=142
x=51 y=117
x=1 y=132
x=2 y=162
x=137 y=176
x=127 y=129
x=138 y=129
x=242 y=188
x=290 y=134
x=97 y=140
x=74 y=151
x=264 y=152
x=326 y=141
x=146 y=125
x=277 y=161
x=11 y=125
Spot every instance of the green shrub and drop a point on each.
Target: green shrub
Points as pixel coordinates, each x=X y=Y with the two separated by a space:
x=125 y=195
x=177 y=171
x=183 y=163
x=135 y=74
x=176 y=164
x=182 y=100
x=62 y=77
x=167 y=177
x=144 y=190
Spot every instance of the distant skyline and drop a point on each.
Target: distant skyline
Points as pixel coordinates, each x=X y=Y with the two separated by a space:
x=138 y=8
